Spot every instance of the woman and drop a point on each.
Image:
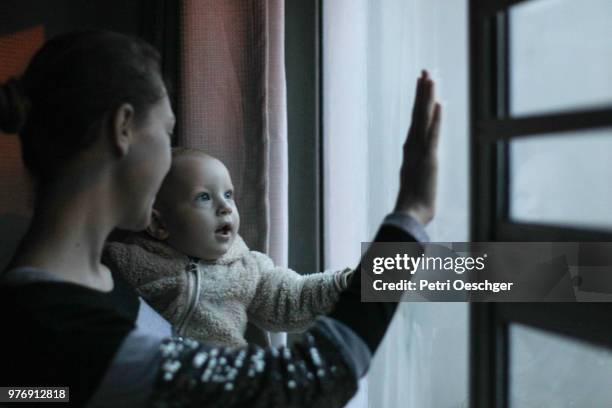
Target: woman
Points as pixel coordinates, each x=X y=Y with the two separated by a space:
x=95 y=125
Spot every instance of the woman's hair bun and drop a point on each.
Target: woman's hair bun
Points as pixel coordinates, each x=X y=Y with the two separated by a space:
x=13 y=106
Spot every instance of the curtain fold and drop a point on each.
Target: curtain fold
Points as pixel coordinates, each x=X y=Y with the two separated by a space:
x=276 y=127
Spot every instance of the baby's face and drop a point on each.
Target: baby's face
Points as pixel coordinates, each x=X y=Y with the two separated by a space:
x=201 y=215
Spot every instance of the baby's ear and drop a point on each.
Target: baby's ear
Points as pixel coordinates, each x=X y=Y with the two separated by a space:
x=157 y=228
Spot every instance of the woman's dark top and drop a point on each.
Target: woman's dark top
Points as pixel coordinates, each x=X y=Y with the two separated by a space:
x=69 y=333
x=112 y=349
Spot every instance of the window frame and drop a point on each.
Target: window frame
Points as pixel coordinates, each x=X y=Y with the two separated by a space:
x=303 y=67
x=491 y=130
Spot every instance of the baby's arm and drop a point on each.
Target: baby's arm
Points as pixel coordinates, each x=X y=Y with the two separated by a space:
x=288 y=301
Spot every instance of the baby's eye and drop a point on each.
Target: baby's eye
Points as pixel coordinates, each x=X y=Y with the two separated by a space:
x=229 y=194
x=203 y=197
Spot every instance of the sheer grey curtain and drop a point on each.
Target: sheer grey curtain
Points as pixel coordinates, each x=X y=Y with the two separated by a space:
x=373 y=53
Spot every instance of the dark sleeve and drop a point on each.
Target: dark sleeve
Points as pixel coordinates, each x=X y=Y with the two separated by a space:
x=318 y=371
x=370 y=320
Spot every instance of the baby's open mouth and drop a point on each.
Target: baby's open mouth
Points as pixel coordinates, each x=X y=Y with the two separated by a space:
x=224 y=229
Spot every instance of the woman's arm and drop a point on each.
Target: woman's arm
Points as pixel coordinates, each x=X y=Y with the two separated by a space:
x=414 y=208
x=321 y=370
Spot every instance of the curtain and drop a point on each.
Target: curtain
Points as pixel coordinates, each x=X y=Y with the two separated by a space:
x=372 y=55
x=233 y=105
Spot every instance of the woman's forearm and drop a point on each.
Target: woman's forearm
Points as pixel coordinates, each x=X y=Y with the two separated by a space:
x=320 y=370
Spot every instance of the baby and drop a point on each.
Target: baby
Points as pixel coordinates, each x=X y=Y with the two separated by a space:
x=194 y=268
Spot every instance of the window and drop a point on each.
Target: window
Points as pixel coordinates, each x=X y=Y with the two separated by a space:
x=541 y=121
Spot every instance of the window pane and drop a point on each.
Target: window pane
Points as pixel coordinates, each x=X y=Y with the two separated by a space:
x=548 y=370
x=561 y=55
x=564 y=179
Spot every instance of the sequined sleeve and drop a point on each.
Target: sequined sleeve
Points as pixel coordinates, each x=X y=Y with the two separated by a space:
x=319 y=371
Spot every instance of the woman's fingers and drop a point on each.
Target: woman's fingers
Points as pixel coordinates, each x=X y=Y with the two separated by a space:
x=430 y=102
x=419 y=96
x=423 y=110
x=434 y=129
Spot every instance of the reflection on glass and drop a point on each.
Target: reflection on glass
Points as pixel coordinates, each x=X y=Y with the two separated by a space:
x=561 y=55
x=548 y=370
x=565 y=179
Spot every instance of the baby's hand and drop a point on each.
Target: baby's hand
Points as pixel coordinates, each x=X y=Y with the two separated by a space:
x=417 y=193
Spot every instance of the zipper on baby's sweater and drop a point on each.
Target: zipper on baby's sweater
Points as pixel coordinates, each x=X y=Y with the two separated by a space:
x=193 y=294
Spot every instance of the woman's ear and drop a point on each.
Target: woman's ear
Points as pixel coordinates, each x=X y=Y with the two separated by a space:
x=157 y=228
x=122 y=125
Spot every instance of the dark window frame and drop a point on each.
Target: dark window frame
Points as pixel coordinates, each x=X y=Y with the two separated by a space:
x=304 y=73
x=491 y=129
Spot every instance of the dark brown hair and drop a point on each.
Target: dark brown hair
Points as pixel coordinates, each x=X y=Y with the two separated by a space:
x=71 y=83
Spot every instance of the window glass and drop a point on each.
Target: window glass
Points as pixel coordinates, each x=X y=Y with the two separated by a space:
x=373 y=52
x=548 y=370
x=561 y=55
x=563 y=179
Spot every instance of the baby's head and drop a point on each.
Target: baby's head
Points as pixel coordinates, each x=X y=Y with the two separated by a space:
x=194 y=211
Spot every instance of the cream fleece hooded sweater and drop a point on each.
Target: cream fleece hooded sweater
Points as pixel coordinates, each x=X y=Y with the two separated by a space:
x=212 y=301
